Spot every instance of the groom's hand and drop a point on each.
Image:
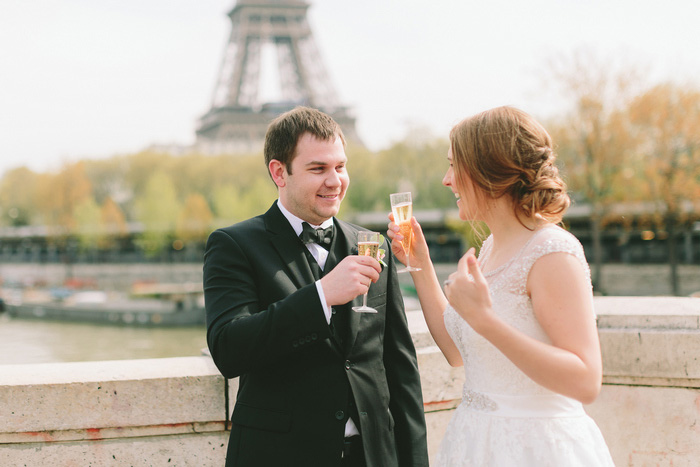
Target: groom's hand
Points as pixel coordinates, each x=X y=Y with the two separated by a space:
x=350 y=278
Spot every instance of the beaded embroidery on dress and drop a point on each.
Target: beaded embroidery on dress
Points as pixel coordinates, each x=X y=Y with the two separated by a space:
x=505 y=418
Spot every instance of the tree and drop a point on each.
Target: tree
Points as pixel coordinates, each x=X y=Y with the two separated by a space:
x=234 y=204
x=194 y=220
x=257 y=197
x=417 y=166
x=112 y=224
x=592 y=140
x=17 y=191
x=87 y=217
x=666 y=125
x=227 y=205
x=58 y=194
x=369 y=187
x=109 y=179
x=157 y=209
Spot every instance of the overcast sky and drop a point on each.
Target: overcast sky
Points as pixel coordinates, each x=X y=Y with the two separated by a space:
x=87 y=79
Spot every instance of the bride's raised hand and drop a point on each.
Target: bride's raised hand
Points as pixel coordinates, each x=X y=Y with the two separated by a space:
x=468 y=292
x=420 y=254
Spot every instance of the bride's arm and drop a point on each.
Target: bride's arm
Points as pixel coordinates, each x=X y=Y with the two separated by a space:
x=562 y=301
x=432 y=300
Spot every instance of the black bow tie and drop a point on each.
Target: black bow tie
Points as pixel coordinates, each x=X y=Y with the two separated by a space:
x=323 y=237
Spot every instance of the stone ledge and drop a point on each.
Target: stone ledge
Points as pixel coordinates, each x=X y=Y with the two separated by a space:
x=206 y=449
x=651 y=354
x=90 y=397
x=648 y=313
x=96 y=434
x=687 y=383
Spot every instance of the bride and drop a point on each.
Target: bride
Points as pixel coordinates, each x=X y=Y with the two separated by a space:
x=520 y=317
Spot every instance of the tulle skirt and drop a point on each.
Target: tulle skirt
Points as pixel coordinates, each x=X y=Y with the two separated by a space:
x=529 y=431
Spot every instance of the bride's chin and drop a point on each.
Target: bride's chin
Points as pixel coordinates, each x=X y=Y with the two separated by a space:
x=462 y=214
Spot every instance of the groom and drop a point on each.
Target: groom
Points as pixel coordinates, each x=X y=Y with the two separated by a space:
x=320 y=384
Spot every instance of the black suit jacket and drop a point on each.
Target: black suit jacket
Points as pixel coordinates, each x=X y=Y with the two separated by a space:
x=265 y=324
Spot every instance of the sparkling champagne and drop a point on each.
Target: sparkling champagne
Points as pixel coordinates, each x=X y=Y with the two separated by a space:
x=368 y=249
x=402 y=208
x=402 y=217
x=402 y=212
x=367 y=245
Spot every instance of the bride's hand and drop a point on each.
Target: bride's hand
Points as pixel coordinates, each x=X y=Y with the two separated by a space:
x=468 y=292
x=420 y=254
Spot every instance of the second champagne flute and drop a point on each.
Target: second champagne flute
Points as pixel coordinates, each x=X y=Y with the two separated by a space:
x=402 y=207
x=367 y=245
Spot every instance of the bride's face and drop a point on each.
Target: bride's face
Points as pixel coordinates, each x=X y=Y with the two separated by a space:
x=467 y=200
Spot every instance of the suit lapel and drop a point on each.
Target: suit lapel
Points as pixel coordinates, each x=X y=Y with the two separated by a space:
x=288 y=246
x=346 y=244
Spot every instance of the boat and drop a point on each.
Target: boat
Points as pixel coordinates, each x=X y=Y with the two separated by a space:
x=155 y=305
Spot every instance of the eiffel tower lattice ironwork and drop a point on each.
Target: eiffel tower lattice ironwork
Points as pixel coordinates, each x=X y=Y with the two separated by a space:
x=271 y=64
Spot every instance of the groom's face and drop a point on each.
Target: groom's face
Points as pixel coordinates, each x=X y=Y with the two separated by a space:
x=318 y=180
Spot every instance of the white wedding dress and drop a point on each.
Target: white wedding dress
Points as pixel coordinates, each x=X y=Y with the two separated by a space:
x=506 y=419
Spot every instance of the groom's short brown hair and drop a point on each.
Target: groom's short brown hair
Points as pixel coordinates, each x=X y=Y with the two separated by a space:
x=284 y=132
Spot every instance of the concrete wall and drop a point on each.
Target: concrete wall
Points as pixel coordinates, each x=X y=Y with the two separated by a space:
x=133 y=412
x=174 y=411
x=649 y=408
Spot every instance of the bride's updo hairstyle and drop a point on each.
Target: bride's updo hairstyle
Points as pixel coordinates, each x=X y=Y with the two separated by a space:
x=504 y=151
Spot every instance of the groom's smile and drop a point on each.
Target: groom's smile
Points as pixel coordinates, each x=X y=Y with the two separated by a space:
x=316 y=184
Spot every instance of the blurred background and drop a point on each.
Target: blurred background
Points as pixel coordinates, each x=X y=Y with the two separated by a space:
x=130 y=130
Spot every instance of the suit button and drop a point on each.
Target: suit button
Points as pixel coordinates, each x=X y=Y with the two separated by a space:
x=308 y=338
x=347 y=364
x=339 y=415
x=314 y=336
x=295 y=344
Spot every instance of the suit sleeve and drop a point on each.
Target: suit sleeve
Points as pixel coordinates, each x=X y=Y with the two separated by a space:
x=241 y=336
x=403 y=378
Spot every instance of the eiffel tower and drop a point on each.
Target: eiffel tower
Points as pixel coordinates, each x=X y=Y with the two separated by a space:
x=270 y=65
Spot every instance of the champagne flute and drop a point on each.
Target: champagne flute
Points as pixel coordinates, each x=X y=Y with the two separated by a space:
x=367 y=245
x=402 y=207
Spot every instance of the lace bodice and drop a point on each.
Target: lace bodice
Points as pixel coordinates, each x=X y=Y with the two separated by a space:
x=487 y=369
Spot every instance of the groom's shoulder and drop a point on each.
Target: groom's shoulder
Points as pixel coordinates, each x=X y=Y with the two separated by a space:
x=246 y=227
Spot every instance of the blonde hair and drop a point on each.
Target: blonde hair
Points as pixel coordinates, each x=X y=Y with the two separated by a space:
x=505 y=151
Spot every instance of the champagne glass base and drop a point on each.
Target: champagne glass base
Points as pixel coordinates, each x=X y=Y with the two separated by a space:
x=409 y=269
x=364 y=309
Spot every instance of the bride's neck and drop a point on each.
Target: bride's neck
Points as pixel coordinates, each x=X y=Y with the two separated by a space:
x=509 y=233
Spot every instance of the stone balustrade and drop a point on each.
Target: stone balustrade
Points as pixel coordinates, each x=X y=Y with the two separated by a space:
x=173 y=411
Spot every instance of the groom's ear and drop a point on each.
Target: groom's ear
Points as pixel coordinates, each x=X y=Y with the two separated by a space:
x=278 y=172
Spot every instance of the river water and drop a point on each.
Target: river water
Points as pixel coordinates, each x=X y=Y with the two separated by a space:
x=33 y=341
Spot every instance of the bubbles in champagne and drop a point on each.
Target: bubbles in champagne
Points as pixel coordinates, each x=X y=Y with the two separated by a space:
x=406 y=231
x=402 y=212
x=368 y=249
